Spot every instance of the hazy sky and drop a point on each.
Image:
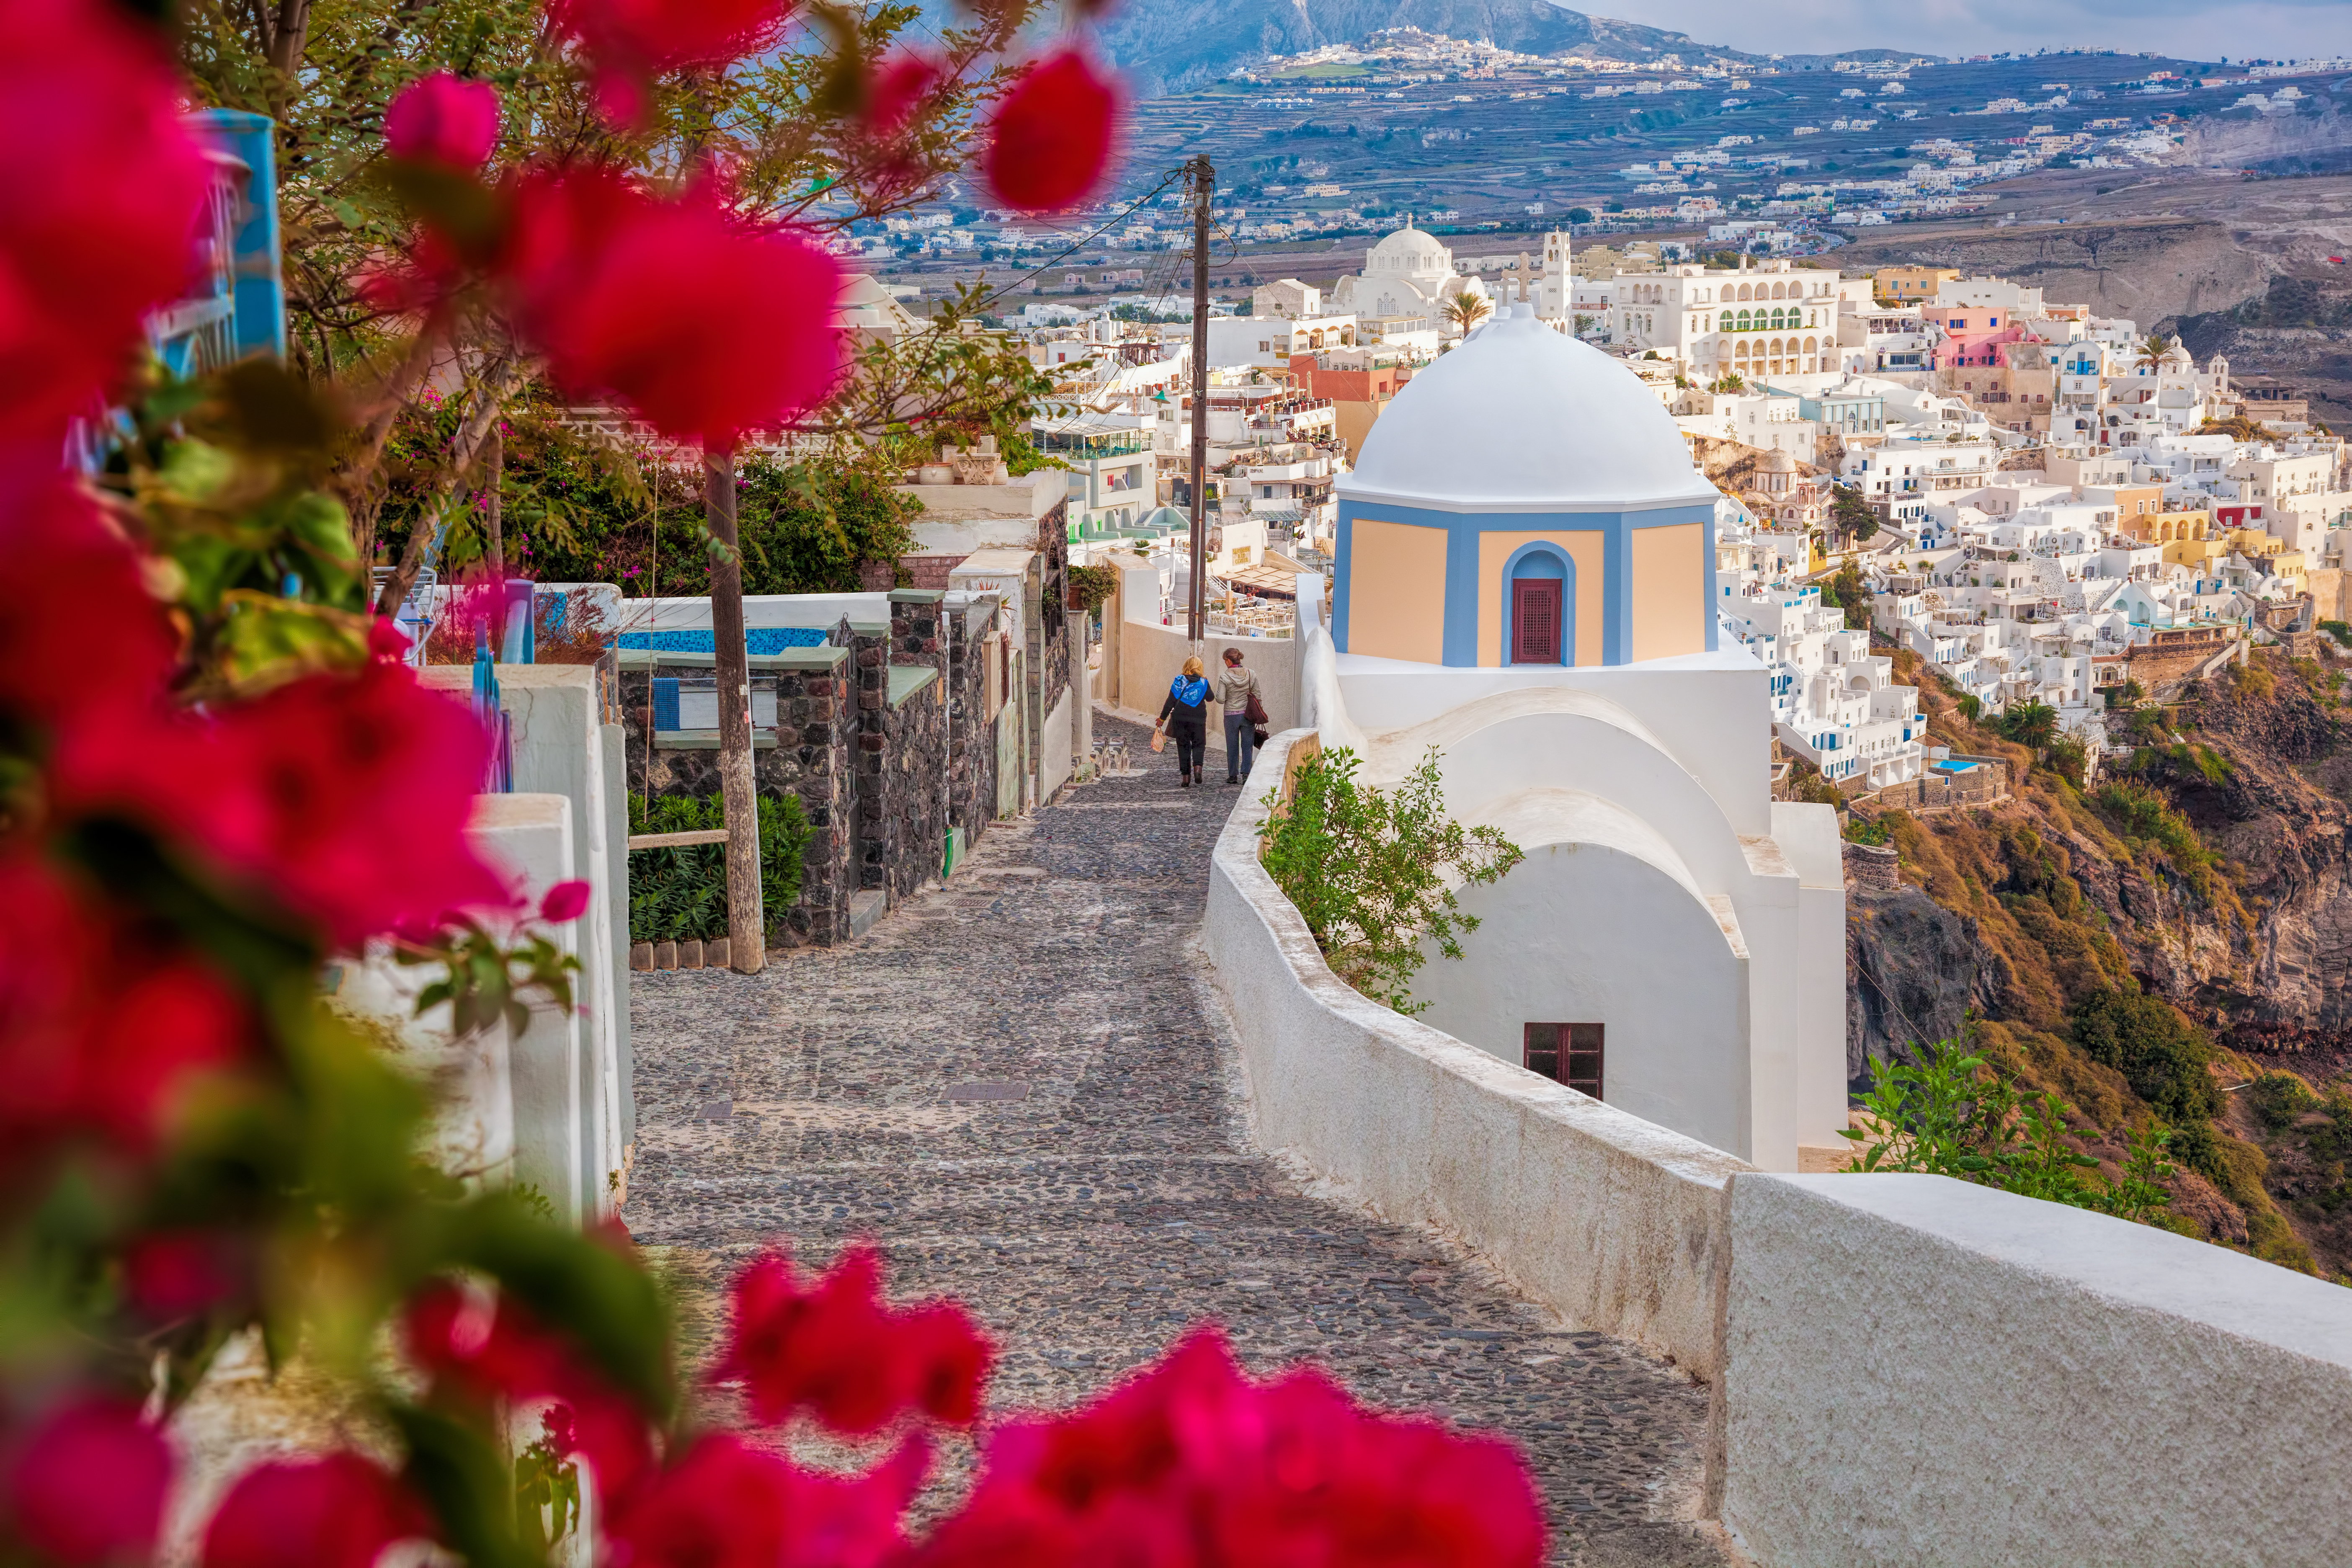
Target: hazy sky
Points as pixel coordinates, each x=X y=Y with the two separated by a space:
x=2195 y=29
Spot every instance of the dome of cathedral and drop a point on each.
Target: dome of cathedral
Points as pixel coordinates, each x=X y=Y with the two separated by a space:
x=1523 y=418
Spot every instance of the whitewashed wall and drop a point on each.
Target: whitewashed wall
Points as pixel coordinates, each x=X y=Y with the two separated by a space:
x=1921 y=1371
x=1616 y=1222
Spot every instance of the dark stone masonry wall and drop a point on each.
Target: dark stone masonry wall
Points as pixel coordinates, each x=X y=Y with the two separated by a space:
x=902 y=749
x=972 y=738
x=1054 y=615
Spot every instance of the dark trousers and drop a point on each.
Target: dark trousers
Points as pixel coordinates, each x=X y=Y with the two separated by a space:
x=1240 y=746
x=1192 y=740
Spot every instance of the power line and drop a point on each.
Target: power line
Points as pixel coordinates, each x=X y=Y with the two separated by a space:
x=1080 y=243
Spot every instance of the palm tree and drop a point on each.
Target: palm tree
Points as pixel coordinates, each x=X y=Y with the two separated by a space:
x=2152 y=350
x=1465 y=310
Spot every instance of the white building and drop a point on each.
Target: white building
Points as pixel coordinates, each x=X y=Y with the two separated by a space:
x=1673 y=943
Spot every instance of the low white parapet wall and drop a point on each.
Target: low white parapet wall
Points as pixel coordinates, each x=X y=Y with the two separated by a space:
x=1922 y=1370
x=1617 y=1224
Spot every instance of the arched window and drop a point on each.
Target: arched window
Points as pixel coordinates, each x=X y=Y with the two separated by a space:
x=1812 y=345
x=1740 y=351
x=1743 y=291
x=1742 y=319
x=1780 y=291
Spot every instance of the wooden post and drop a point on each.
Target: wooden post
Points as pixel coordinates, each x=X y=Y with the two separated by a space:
x=747 y=937
x=1204 y=183
x=495 y=537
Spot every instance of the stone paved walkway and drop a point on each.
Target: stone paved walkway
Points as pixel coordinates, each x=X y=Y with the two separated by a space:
x=1119 y=1199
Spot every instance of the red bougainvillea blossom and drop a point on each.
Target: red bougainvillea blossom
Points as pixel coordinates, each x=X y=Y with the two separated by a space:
x=87 y=1483
x=1194 y=1464
x=109 y=631
x=725 y=1504
x=87 y=1048
x=898 y=88
x=337 y=1511
x=438 y=118
x=565 y=902
x=287 y=795
x=707 y=325
x=1050 y=137
x=631 y=41
x=834 y=1347
x=87 y=246
x=169 y=1275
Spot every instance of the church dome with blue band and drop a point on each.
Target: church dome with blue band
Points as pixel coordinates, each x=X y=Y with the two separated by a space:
x=1525 y=500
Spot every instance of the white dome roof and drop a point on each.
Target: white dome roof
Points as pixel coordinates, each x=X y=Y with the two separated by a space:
x=1406 y=239
x=1523 y=418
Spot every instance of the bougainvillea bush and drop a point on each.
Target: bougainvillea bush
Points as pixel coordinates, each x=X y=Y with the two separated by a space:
x=218 y=776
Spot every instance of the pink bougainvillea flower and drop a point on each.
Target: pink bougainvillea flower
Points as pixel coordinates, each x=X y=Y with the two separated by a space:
x=832 y=1347
x=565 y=902
x=337 y=1511
x=489 y=1348
x=174 y=1274
x=724 y=1504
x=438 y=118
x=108 y=629
x=99 y=206
x=1050 y=139
x=711 y=326
x=898 y=88
x=629 y=42
x=1195 y=1463
x=109 y=1039
x=88 y=1483
x=288 y=795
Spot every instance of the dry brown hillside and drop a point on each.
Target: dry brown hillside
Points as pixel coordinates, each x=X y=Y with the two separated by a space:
x=2169 y=942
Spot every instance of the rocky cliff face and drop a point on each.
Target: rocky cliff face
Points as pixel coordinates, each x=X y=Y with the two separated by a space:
x=2212 y=869
x=2150 y=270
x=1911 y=970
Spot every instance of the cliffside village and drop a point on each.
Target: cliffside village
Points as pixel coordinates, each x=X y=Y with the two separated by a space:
x=2043 y=504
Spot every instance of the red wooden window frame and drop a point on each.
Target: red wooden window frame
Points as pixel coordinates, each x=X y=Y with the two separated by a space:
x=1565 y=1052
x=1536 y=609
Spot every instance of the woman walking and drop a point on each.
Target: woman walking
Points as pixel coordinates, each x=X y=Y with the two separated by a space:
x=1237 y=691
x=1185 y=715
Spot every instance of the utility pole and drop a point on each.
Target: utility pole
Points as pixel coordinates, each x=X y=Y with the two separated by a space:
x=1204 y=183
x=747 y=936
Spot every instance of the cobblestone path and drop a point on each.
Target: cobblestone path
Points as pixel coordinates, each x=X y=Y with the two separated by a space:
x=1114 y=1197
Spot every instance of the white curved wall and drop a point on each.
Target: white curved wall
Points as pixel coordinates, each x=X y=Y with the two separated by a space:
x=1584 y=933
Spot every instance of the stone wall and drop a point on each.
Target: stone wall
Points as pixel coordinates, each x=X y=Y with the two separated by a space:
x=902 y=747
x=1986 y=785
x=1053 y=620
x=972 y=737
x=809 y=754
x=1872 y=867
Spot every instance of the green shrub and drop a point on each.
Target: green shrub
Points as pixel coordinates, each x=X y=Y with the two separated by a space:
x=2195 y=1146
x=1367 y=870
x=680 y=895
x=1952 y=1115
x=2068 y=758
x=2161 y=1055
x=2340 y=630
x=1874 y=830
x=2278 y=1098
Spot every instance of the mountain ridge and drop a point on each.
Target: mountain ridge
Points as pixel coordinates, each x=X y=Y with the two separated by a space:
x=1169 y=48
